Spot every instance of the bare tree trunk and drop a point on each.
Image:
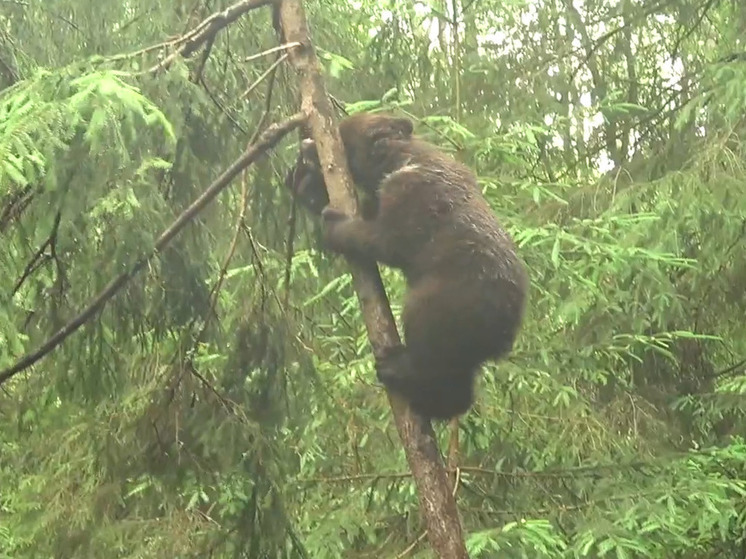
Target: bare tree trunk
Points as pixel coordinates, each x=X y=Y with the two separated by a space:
x=437 y=502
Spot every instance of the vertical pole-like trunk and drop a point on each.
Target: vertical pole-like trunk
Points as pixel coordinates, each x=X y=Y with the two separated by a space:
x=437 y=503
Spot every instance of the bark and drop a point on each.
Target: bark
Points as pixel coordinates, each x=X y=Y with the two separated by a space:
x=437 y=503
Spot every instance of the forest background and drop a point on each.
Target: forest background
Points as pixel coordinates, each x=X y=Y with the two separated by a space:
x=224 y=404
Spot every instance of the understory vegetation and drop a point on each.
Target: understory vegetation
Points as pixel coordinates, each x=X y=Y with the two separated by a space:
x=224 y=402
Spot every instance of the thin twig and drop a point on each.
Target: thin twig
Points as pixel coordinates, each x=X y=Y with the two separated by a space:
x=267 y=72
x=286 y=46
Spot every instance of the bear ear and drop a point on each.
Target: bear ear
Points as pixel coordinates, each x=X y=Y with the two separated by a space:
x=391 y=128
x=404 y=127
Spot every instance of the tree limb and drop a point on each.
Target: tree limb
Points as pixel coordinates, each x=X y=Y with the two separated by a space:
x=271 y=136
x=208 y=29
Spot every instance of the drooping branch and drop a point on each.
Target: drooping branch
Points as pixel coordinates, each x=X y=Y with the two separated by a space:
x=437 y=503
x=268 y=139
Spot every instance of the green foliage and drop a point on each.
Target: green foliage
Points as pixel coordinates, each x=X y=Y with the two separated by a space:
x=213 y=409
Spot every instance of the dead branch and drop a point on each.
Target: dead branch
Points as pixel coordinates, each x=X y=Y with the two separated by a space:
x=437 y=503
x=269 y=138
x=14 y=204
x=40 y=256
x=207 y=30
x=270 y=51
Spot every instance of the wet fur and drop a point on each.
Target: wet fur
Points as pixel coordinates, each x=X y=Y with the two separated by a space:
x=466 y=285
x=306 y=182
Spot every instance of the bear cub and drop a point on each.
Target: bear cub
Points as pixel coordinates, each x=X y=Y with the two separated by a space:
x=425 y=215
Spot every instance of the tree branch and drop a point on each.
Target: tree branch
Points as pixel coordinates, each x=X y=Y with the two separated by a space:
x=271 y=136
x=208 y=29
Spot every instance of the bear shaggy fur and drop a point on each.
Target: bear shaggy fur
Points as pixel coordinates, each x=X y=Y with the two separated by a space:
x=466 y=285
